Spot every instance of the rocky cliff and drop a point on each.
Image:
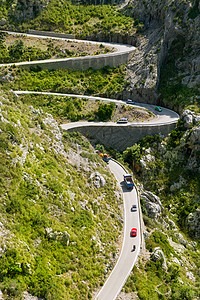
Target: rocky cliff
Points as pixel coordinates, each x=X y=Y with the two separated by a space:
x=165 y=22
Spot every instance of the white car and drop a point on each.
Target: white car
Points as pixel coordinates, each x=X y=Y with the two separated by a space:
x=134 y=208
x=122 y=120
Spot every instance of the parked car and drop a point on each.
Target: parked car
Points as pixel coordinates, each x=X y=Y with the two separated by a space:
x=129 y=101
x=134 y=208
x=134 y=232
x=158 y=108
x=122 y=120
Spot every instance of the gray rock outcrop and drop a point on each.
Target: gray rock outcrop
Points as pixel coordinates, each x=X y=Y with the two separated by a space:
x=194 y=138
x=188 y=118
x=152 y=204
x=97 y=179
x=158 y=255
x=165 y=21
x=63 y=237
x=180 y=238
x=193 y=224
x=27 y=9
x=146 y=159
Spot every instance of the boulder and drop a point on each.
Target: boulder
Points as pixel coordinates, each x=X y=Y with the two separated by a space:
x=152 y=204
x=63 y=237
x=193 y=223
x=188 y=118
x=158 y=255
x=180 y=238
x=194 y=137
x=97 y=179
x=3 y=22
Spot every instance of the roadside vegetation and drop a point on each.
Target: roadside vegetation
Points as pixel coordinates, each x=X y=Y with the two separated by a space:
x=65 y=109
x=56 y=242
x=104 y=82
x=15 y=48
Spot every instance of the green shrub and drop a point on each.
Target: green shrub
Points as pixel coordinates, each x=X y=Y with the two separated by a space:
x=105 y=111
x=158 y=239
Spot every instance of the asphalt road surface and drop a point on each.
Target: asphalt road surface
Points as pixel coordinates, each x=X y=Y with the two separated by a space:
x=166 y=116
x=127 y=258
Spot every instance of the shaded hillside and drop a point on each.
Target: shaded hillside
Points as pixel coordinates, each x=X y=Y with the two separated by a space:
x=169 y=46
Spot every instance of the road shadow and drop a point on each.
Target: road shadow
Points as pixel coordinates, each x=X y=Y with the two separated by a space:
x=124 y=188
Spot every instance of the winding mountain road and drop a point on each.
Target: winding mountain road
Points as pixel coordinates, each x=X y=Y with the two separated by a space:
x=166 y=116
x=120 y=56
x=127 y=258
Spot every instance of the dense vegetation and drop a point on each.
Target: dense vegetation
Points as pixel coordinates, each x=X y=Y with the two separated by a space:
x=56 y=240
x=81 y=20
x=104 y=82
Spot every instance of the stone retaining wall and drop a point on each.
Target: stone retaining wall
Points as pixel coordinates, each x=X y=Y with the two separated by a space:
x=51 y=34
x=120 y=137
x=82 y=63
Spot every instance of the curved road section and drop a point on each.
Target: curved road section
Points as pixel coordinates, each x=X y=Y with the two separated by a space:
x=119 y=57
x=166 y=116
x=128 y=257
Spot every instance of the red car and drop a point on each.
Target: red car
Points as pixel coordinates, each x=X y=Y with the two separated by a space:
x=134 y=232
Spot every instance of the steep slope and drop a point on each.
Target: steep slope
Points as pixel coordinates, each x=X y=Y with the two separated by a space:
x=171 y=41
x=59 y=208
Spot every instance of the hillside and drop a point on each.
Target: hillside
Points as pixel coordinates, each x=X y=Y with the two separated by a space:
x=61 y=211
x=60 y=208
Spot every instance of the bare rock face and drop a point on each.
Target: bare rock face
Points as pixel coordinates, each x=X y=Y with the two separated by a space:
x=164 y=21
x=158 y=255
x=27 y=9
x=188 y=118
x=193 y=224
x=152 y=204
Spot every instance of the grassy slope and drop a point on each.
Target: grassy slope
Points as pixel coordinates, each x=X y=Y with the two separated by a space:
x=38 y=187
